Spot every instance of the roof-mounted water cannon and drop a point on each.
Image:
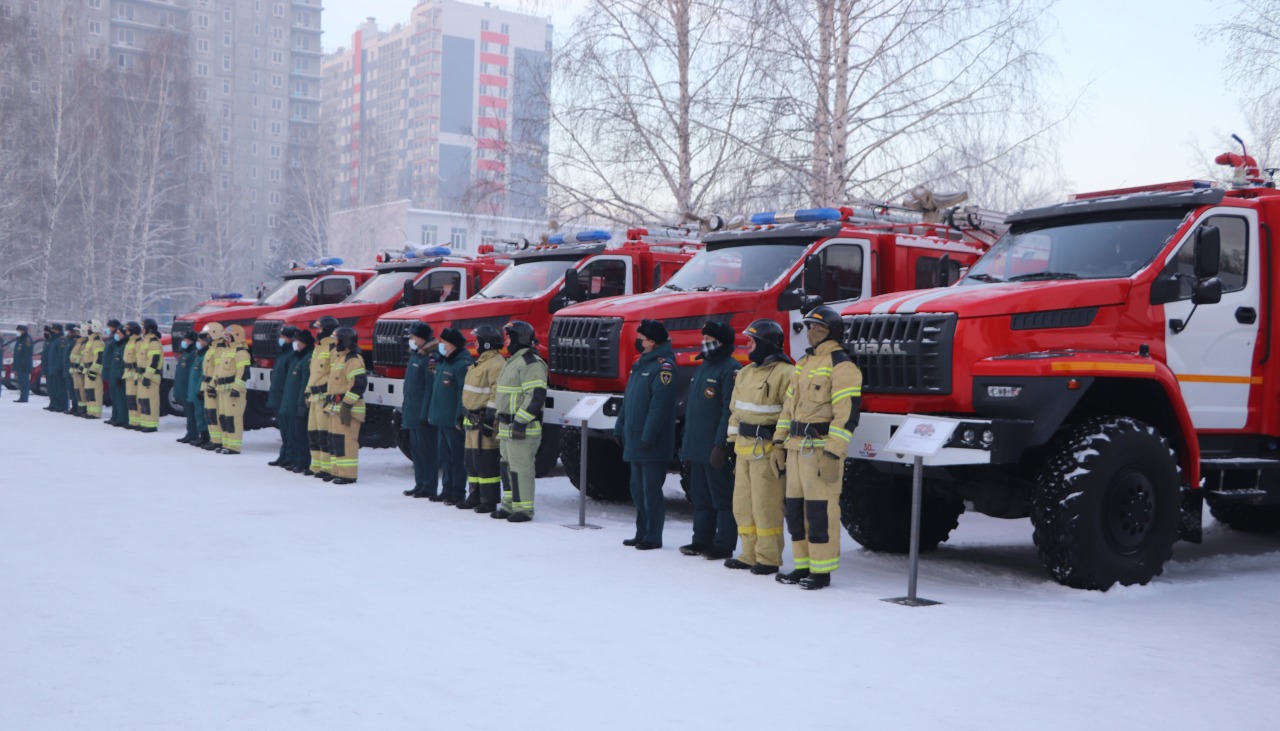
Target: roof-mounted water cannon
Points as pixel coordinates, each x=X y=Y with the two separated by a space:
x=1245 y=172
x=931 y=205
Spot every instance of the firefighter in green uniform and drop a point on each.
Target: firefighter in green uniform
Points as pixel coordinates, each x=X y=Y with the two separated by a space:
x=419 y=380
x=187 y=354
x=118 y=371
x=646 y=430
x=445 y=414
x=212 y=334
x=108 y=364
x=347 y=381
x=197 y=420
x=522 y=391
x=23 y=350
x=705 y=446
x=479 y=421
x=293 y=402
x=149 y=355
x=50 y=366
x=280 y=371
x=758 y=485
x=815 y=426
x=317 y=397
x=91 y=365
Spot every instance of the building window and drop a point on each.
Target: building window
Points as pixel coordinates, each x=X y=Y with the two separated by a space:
x=202 y=69
x=226 y=63
x=275 y=198
x=226 y=38
x=202 y=20
x=278 y=10
x=226 y=135
x=277 y=57
x=271 y=220
x=202 y=45
x=226 y=14
x=275 y=175
x=458 y=238
x=124 y=11
x=125 y=36
x=95 y=27
x=253 y=195
x=428 y=235
x=275 y=152
x=226 y=86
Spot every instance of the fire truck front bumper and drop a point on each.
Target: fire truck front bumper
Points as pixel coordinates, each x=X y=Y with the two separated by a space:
x=976 y=441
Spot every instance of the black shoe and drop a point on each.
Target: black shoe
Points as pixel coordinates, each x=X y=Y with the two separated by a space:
x=792 y=577
x=763 y=569
x=183 y=440
x=631 y=542
x=296 y=469
x=426 y=495
x=816 y=581
x=149 y=430
x=694 y=549
x=20 y=401
x=230 y=451
x=328 y=477
x=647 y=546
x=437 y=497
x=321 y=474
x=275 y=463
x=499 y=514
x=210 y=446
x=411 y=493
x=463 y=505
x=344 y=480
x=519 y=518
x=307 y=471
x=482 y=508
x=449 y=500
x=470 y=503
x=715 y=554
x=734 y=563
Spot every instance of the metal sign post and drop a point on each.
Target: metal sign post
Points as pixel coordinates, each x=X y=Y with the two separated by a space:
x=582 y=412
x=920 y=436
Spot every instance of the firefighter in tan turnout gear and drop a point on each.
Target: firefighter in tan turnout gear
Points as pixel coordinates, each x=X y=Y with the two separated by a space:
x=317 y=390
x=758 y=484
x=212 y=334
x=149 y=358
x=815 y=425
x=231 y=374
x=522 y=390
x=131 y=372
x=91 y=366
x=76 y=369
x=480 y=421
x=347 y=381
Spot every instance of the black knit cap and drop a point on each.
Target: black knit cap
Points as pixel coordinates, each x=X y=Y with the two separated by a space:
x=190 y=335
x=288 y=331
x=305 y=336
x=113 y=322
x=453 y=337
x=654 y=330
x=421 y=330
x=720 y=331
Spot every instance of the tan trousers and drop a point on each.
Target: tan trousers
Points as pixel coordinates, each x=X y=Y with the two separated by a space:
x=93 y=396
x=757 y=504
x=231 y=420
x=131 y=395
x=77 y=383
x=318 y=436
x=344 y=444
x=812 y=509
x=149 y=402
x=211 y=417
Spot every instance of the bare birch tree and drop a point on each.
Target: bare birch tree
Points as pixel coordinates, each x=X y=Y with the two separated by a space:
x=1253 y=59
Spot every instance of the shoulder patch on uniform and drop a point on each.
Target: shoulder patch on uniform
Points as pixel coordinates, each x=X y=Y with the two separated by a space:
x=666 y=365
x=665 y=375
x=840 y=356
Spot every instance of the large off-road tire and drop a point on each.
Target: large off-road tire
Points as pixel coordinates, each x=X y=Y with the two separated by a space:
x=379 y=430
x=402 y=441
x=169 y=404
x=38 y=385
x=1107 y=503
x=256 y=414
x=548 y=451
x=875 y=508
x=608 y=477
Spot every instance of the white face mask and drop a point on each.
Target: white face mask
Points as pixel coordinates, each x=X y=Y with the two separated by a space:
x=298 y=346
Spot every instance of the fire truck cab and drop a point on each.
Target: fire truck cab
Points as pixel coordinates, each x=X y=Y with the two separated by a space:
x=1112 y=361
x=776 y=267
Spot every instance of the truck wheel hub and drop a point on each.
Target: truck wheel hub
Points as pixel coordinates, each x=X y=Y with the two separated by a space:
x=1130 y=509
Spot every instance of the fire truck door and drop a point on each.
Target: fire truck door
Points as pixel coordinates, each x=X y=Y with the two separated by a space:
x=846 y=278
x=1213 y=357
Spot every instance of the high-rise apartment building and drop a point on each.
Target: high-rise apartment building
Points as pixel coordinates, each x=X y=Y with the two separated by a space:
x=449 y=111
x=257 y=67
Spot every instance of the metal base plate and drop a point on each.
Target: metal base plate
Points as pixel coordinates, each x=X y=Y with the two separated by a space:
x=584 y=526
x=907 y=601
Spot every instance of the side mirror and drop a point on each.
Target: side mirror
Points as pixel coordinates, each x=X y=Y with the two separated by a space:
x=406 y=298
x=572 y=287
x=790 y=299
x=1207 y=291
x=942 y=277
x=301 y=300
x=813 y=274
x=1208 y=252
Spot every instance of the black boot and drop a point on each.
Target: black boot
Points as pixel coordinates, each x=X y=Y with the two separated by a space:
x=499 y=514
x=488 y=499
x=276 y=462
x=816 y=581
x=694 y=549
x=715 y=554
x=792 y=577
x=519 y=518
x=763 y=569
x=631 y=542
x=734 y=563
x=473 y=499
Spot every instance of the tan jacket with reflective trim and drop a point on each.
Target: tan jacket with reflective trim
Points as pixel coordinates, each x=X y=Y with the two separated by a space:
x=479 y=391
x=758 y=394
x=825 y=388
x=149 y=356
x=343 y=370
x=77 y=353
x=90 y=356
x=321 y=358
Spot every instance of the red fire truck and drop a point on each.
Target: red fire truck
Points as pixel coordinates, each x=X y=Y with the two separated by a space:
x=423 y=276
x=1111 y=359
x=772 y=268
x=321 y=281
x=532 y=289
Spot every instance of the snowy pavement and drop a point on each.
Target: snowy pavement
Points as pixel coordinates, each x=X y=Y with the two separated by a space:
x=148 y=585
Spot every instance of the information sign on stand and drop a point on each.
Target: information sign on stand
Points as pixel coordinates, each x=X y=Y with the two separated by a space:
x=919 y=436
x=582 y=412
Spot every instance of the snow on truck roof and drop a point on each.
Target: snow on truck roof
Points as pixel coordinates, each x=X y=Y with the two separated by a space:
x=1147 y=200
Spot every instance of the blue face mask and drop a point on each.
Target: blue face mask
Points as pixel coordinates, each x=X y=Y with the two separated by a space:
x=441 y=350
x=116 y=337
x=282 y=342
x=185 y=345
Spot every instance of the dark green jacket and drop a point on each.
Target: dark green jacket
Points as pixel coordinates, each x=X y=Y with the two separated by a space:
x=647 y=420
x=295 y=383
x=117 y=361
x=49 y=361
x=108 y=356
x=182 y=373
x=706 y=413
x=279 y=372
x=64 y=356
x=195 y=375
x=419 y=380
x=23 y=349
x=445 y=408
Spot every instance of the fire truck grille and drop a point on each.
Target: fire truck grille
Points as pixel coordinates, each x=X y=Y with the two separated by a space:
x=179 y=329
x=902 y=353
x=390 y=343
x=266 y=338
x=585 y=346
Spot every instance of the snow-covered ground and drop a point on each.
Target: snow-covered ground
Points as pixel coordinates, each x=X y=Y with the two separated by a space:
x=148 y=585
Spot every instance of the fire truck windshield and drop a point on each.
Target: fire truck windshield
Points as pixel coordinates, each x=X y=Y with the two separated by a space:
x=1085 y=247
x=281 y=295
x=748 y=268
x=382 y=287
x=209 y=308
x=529 y=279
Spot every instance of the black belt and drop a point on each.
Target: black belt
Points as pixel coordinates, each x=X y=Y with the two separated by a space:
x=762 y=431
x=808 y=429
